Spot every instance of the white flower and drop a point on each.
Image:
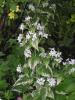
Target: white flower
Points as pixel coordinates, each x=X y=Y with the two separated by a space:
x=64 y=63
x=19 y=69
x=72 y=70
x=31 y=7
x=22 y=27
x=34 y=37
x=27 y=18
x=0 y=99
x=40 y=81
x=52 y=52
x=51 y=81
x=45 y=35
x=20 y=37
x=39 y=27
x=69 y=61
x=27 y=52
x=56 y=55
x=27 y=36
x=41 y=33
x=72 y=61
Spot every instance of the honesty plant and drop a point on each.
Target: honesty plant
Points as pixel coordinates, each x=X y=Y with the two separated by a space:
x=32 y=66
x=42 y=71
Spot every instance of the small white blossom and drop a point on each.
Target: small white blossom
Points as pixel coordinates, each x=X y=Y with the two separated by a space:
x=52 y=52
x=31 y=7
x=28 y=36
x=27 y=18
x=69 y=61
x=22 y=27
x=27 y=53
x=64 y=63
x=20 y=37
x=34 y=37
x=51 y=81
x=72 y=70
x=40 y=33
x=40 y=81
x=19 y=69
x=0 y=99
x=40 y=27
x=72 y=61
x=56 y=55
x=45 y=35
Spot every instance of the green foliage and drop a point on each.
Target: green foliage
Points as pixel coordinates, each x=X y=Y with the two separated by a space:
x=29 y=67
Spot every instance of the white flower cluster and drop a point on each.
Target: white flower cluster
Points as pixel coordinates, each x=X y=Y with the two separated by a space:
x=27 y=52
x=20 y=37
x=69 y=61
x=19 y=68
x=34 y=35
x=51 y=81
x=27 y=18
x=40 y=29
x=40 y=81
x=31 y=35
x=55 y=54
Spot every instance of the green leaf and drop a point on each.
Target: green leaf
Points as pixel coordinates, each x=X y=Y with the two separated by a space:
x=50 y=93
x=13 y=6
x=35 y=44
x=27 y=97
x=71 y=96
x=61 y=97
x=8 y=95
x=3 y=85
x=1 y=2
x=40 y=94
x=67 y=85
